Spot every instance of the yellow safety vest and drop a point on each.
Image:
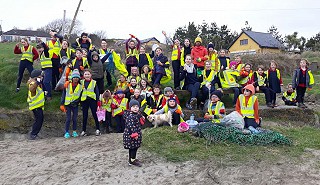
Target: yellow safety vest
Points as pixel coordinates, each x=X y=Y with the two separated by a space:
x=167 y=77
x=79 y=45
x=72 y=95
x=45 y=62
x=278 y=74
x=229 y=78
x=54 y=48
x=159 y=102
x=174 y=54
x=240 y=66
x=138 y=78
x=261 y=79
x=121 y=85
x=291 y=97
x=147 y=110
x=68 y=52
x=146 y=76
x=219 y=63
x=132 y=53
x=121 y=107
x=27 y=54
x=166 y=109
x=311 y=79
x=149 y=61
x=85 y=62
x=214 y=61
x=208 y=79
x=247 y=111
x=245 y=80
x=219 y=105
x=89 y=91
x=36 y=101
x=107 y=105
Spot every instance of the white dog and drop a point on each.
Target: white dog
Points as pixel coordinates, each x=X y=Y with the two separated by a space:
x=160 y=118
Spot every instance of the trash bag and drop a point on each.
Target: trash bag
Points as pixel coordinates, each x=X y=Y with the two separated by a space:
x=60 y=84
x=101 y=114
x=234 y=119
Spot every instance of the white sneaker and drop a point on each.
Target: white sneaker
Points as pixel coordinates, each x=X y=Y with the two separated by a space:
x=83 y=133
x=98 y=133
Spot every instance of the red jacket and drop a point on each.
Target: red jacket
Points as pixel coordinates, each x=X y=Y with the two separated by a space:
x=199 y=52
x=35 y=53
x=165 y=99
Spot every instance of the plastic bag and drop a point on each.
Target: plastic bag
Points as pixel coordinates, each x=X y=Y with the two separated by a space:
x=183 y=127
x=101 y=114
x=60 y=84
x=234 y=119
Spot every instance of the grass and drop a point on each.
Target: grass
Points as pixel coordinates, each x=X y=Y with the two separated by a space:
x=177 y=147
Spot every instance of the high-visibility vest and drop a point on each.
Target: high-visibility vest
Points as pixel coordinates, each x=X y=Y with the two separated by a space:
x=213 y=57
x=219 y=105
x=106 y=104
x=36 y=101
x=261 y=79
x=132 y=53
x=89 y=91
x=150 y=62
x=311 y=79
x=79 y=45
x=229 y=78
x=138 y=78
x=147 y=110
x=146 y=76
x=121 y=107
x=54 y=48
x=219 y=63
x=166 y=109
x=45 y=62
x=157 y=102
x=27 y=54
x=72 y=95
x=174 y=54
x=290 y=97
x=85 y=62
x=68 y=52
x=278 y=74
x=207 y=79
x=240 y=66
x=121 y=85
x=245 y=80
x=247 y=110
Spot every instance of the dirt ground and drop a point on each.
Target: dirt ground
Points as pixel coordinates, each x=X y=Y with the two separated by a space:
x=102 y=160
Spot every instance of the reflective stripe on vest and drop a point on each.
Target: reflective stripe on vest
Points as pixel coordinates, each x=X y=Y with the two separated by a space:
x=229 y=79
x=85 y=62
x=132 y=53
x=54 y=48
x=72 y=95
x=245 y=80
x=207 y=80
x=36 y=101
x=89 y=91
x=147 y=110
x=278 y=74
x=216 y=110
x=291 y=97
x=159 y=102
x=166 y=109
x=121 y=107
x=27 y=54
x=247 y=111
x=149 y=61
x=45 y=62
x=174 y=54
x=261 y=79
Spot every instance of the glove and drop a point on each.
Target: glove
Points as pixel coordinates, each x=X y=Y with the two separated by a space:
x=66 y=84
x=63 y=108
x=199 y=59
x=178 y=111
x=81 y=68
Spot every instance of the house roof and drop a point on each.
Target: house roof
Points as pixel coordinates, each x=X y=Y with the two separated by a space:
x=28 y=33
x=264 y=40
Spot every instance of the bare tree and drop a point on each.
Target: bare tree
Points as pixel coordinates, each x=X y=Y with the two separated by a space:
x=101 y=34
x=57 y=25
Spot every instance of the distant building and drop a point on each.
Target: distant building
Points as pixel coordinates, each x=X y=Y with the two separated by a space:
x=148 y=41
x=15 y=35
x=250 y=42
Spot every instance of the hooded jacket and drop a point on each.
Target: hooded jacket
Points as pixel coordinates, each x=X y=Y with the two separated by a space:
x=96 y=66
x=199 y=52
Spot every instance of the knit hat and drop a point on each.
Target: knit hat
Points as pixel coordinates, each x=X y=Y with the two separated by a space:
x=133 y=102
x=172 y=98
x=119 y=92
x=217 y=93
x=166 y=89
x=75 y=74
x=233 y=63
x=198 y=39
x=36 y=73
x=210 y=45
x=249 y=87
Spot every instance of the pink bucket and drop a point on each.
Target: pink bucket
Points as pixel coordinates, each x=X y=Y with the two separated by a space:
x=183 y=127
x=101 y=114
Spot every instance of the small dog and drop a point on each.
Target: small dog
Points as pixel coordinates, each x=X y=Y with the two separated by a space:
x=160 y=118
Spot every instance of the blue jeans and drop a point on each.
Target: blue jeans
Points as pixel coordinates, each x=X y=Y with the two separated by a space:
x=193 y=89
x=38 y=116
x=74 y=110
x=22 y=66
x=47 y=80
x=157 y=78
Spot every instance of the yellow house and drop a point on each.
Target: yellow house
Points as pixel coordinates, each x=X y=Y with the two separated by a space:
x=250 y=42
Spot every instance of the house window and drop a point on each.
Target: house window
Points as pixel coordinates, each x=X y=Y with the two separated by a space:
x=244 y=42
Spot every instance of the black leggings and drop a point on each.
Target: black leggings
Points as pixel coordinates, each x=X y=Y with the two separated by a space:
x=300 y=94
x=22 y=66
x=133 y=153
x=176 y=69
x=92 y=104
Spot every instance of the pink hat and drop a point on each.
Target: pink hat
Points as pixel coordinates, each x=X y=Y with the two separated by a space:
x=232 y=63
x=183 y=127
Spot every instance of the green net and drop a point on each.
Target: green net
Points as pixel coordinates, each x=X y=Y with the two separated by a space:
x=216 y=133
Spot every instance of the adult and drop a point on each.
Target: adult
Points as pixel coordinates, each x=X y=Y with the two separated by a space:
x=212 y=56
x=176 y=58
x=132 y=52
x=104 y=50
x=186 y=47
x=83 y=42
x=199 y=55
x=29 y=54
x=54 y=45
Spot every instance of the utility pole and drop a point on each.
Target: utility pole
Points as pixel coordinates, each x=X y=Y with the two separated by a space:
x=64 y=22
x=74 y=19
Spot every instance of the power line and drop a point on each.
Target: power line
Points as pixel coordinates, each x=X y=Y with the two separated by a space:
x=254 y=10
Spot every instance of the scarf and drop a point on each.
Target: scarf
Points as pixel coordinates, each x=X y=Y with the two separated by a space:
x=190 y=68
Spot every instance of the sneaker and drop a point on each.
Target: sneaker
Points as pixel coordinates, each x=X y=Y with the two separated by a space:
x=83 y=133
x=17 y=89
x=304 y=106
x=135 y=163
x=74 y=134
x=33 y=137
x=177 y=88
x=270 y=105
x=67 y=135
x=193 y=102
x=98 y=133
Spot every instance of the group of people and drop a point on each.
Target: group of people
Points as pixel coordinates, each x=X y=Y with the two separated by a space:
x=138 y=92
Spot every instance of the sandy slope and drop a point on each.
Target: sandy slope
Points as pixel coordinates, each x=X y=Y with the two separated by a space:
x=102 y=160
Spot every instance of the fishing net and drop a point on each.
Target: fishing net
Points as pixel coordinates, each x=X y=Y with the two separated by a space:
x=215 y=133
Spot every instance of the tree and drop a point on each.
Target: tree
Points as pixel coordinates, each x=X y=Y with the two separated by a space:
x=247 y=26
x=275 y=33
x=101 y=34
x=191 y=32
x=58 y=24
x=293 y=42
x=314 y=43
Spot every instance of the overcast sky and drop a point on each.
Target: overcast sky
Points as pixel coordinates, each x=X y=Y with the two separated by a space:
x=147 y=18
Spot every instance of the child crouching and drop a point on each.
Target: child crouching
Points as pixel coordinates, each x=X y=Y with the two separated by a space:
x=132 y=135
x=216 y=110
x=289 y=96
x=175 y=109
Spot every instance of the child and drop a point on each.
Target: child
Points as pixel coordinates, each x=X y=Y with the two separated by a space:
x=83 y=42
x=289 y=96
x=302 y=79
x=118 y=106
x=79 y=63
x=134 y=74
x=29 y=54
x=212 y=56
x=175 y=109
x=191 y=83
x=122 y=83
x=36 y=101
x=245 y=75
x=132 y=52
x=155 y=101
x=132 y=135
x=89 y=99
x=248 y=106
x=46 y=67
x=161 y=65
x=142 y=101
x=146 y=73
x=216 y=110
x=146 y=89
x=260 y=83
x=106 y=104
x=131 y=87
x=239 y=64
x=96 y=66
x=275 y=81
x=65 y=51
x=145 y=59
x=168 y=93
x=223 y=60
x=208 y=75
x=69 y=102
